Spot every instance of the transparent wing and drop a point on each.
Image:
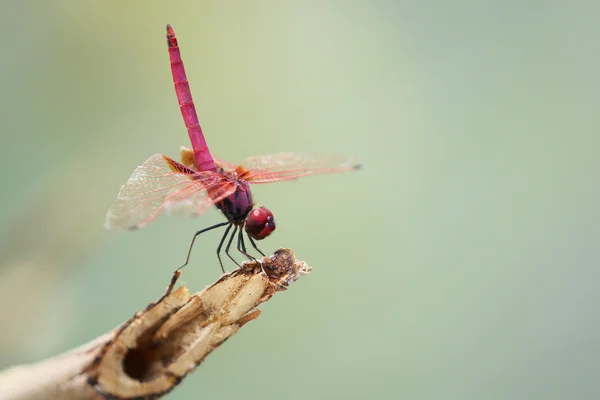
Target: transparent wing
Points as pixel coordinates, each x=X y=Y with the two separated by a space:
x=227 y=166
x=161 y=184
x=284 y=166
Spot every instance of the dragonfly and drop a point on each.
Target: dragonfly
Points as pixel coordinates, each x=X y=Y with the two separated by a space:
x=199 y=181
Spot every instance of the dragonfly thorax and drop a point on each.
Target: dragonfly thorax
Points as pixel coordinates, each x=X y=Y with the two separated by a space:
x=237 y=205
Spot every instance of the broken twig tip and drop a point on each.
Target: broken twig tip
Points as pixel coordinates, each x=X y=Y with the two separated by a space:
x=170 y=339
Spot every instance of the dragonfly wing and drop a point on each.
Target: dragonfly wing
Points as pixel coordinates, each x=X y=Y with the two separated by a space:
x=224 y=164
x=196 y=203
x=284 y=166
x=160 y=184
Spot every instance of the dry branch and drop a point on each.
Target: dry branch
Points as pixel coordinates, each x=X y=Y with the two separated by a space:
x=151 y=353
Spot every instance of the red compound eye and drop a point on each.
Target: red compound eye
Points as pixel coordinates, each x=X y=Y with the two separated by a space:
x=260 y=223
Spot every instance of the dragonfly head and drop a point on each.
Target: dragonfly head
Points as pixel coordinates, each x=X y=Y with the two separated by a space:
x=259 y=223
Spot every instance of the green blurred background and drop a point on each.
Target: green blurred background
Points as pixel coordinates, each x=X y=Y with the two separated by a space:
x=460 y=263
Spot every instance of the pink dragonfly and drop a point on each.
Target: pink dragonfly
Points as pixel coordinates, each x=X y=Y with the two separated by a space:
x=162 y=184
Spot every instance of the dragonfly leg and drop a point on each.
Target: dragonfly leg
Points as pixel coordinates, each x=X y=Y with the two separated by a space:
x=221 y=245
x=241 y=241
x=241 y=246
x=256 y=248
x=229 y=246
x=187 y=260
